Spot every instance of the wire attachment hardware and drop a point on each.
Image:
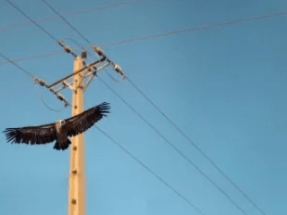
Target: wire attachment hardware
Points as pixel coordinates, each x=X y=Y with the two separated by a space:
x=118 y=69
x=40 y=82
x=98 y=50
x=66 y=48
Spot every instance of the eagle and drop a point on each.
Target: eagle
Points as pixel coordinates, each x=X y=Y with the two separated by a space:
x=59 y=130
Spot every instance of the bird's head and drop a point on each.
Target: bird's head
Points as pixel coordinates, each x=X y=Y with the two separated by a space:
x=61 y=122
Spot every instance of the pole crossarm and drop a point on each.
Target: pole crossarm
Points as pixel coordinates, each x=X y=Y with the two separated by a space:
x=80 y=70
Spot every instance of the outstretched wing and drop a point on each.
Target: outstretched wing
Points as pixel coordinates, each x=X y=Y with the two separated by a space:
x=83 y=121
x=32 y=135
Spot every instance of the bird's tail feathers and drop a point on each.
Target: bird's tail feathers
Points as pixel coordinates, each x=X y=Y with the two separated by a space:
x=62 y=144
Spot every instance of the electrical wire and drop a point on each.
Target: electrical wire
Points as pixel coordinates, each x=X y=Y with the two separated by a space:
x=46 y=32
x=83 y=11
x=69 y=24
x=198 y=28
x=38 y=56
x=113 y=5
x=174 y=148
x=111 y=77
x=23 y=70
x=120 y=146
x=78 y=44
x=45 y=104
x=28 y=17
x=153 y=36
x=33 y=77
x=159 y=178
x=195 y=146
x=66 y=21
x=196 y=167
x=159 y=35
x=151 y=171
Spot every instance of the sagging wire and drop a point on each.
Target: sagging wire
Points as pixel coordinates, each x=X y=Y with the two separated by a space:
x=38 y=81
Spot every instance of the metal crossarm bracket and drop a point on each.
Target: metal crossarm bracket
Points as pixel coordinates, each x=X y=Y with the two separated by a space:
x=67 y=84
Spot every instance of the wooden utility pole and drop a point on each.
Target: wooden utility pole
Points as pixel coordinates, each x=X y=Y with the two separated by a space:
x=76 y=201
x=77 y=189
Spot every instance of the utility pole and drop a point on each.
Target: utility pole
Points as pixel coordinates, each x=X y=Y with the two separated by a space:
x=78 y=82
x=76 y=201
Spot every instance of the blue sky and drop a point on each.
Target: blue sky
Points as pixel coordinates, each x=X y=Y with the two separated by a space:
x=225 y=87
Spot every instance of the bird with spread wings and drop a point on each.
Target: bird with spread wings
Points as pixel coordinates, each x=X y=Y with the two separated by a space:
x=60 y=130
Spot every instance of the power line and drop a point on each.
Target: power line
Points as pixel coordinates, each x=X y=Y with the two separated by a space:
x=198 y=28
x=28 y=17
x=22 y=69
x=195 y=146
x=142 y=164
x=222 y=191
x=78 y=44
x=67 y=49
x=140 y=38
x=126 y=151
x=166 y=33
x=151 y=171
x=38 y=56
x=175 y=148
x=83 y=11
x=111 y=77
x=113 y=5
x=66 y=21
x=34 y=78
x=71 y=26
x=46 y=104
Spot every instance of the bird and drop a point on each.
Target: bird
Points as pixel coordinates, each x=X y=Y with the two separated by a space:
x=59 y=130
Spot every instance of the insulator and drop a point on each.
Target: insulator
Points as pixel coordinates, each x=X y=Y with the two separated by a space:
x=61 y=97
x=67 y=49
x=117 y=68
x=98 y=50
x=40 y=82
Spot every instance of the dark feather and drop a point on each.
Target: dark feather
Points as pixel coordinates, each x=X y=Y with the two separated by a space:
x=32 y=134
x=82 y=122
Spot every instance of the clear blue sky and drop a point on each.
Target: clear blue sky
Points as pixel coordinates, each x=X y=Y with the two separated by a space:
x=224 y=87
